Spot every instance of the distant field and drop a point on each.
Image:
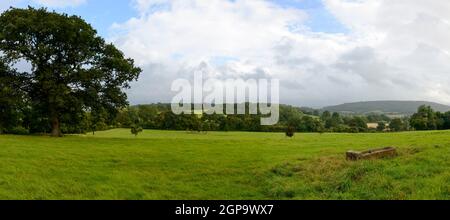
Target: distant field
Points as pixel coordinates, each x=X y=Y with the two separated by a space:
x=219 y=165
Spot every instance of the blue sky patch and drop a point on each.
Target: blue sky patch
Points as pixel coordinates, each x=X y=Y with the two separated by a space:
x=103 y=13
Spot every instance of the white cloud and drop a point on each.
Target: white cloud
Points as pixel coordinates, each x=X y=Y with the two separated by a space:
x=393 y=50
x=203 y=29
x=411 y=37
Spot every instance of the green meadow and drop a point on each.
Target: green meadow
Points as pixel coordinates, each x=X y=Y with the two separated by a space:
x=223 y=165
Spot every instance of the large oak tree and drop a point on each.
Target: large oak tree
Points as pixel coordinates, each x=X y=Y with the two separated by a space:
x=73 y=69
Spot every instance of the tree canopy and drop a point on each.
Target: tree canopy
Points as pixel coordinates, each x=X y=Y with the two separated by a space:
x=73 y=70
x=11 y=97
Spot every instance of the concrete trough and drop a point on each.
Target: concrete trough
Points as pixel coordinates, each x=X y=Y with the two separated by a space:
x=372 y=154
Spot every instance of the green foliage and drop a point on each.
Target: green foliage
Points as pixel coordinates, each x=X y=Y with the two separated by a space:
x=427 y=119
x=381 y=126
x=96 y=120
x=424 y=119
x=397 y=125
x=159 y=116
x=19 y=131
x=446 y=119
x=73 y=69
x=310 y=124
x=290 y=115
x=357 y=124
x=136 y=129
x=290 y=131
x=11 y=98
x=327 y=119
x=376 y=118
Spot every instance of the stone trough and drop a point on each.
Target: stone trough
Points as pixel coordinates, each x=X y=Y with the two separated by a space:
x=372 y=154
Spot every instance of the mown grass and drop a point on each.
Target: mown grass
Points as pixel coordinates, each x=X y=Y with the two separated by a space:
x=223 y=165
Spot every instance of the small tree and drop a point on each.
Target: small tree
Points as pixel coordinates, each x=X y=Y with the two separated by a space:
x=290 y=131
x=358 y=124
x=96 y=120
x=381 y=126
x=397 y=125
x=424 y=119
x=136 y=129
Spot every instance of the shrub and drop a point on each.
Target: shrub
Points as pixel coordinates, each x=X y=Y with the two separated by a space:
x=136 y=130
x=19 y=131
x=290 y=131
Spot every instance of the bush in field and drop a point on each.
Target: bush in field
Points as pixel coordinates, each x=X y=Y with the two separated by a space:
x=290 y=131
x=136 y=129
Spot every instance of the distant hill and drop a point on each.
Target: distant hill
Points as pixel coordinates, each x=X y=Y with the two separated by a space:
x=385 y=107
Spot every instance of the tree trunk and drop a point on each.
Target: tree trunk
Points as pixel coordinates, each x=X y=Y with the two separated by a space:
x=56 y=127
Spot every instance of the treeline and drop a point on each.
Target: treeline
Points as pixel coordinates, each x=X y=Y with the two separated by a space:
x=427 y=119
x=160 y=117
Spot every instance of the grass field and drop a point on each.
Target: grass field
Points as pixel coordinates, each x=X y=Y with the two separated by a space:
x=235 y=165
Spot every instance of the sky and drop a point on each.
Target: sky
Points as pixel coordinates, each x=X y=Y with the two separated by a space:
x=324 y=52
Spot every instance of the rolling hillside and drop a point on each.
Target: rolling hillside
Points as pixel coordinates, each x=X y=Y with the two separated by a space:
x=399 y=107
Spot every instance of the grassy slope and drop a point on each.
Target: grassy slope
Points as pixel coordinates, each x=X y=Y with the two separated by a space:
x=178 y=165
